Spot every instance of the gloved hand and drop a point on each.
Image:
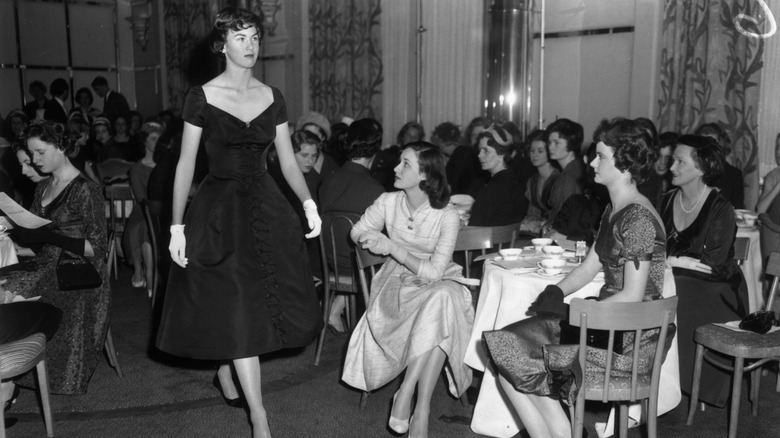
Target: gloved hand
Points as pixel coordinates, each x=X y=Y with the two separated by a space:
x=550 y=303
x=313 y=218
x=45 y=236
x=376 y=242
x=177 y=245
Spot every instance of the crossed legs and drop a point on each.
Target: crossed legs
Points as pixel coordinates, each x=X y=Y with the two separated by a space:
x=543 y=417
x=422 y=374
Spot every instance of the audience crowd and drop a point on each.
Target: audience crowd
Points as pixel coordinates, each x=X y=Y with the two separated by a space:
x=546 y=184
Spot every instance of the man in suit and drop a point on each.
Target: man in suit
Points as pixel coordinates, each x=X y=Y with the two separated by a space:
x=114 y=104
x=54 y=109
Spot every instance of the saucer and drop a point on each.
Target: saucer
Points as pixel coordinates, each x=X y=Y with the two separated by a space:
x=541 y=272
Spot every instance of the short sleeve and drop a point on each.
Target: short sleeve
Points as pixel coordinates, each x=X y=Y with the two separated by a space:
x=194 y=107
x=638 y=234
x=281 y=107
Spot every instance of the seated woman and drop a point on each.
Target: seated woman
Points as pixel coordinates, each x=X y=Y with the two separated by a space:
x=730 y=183
x=136 y=235
x=538 y=188
x=500 y=201
x=630 y=247
x=564 y=141
x=75 y=207
x=701 y=228
x=416 y=319
x=769 y=207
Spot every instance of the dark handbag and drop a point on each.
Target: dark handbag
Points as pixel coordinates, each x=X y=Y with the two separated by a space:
x=76 y=273
x=595 y=338
x=759 y=322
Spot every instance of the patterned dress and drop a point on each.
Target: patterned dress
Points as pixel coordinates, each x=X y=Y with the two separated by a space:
x=528 y=353
x=75 y=350
x=410 y=314
x=248 y=288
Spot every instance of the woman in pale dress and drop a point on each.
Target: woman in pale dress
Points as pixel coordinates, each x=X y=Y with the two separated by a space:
x=418 y=318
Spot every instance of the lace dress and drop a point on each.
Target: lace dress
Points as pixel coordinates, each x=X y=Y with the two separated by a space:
x=528 y=353
x=248 y=288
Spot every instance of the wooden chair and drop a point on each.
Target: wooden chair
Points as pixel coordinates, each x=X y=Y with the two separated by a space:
x=505 y=236
x=636 y=317
x=740 y=345
x=120 y=203
x=473 y=239
x=366 y=263
x=337 y=276
x=114 y=171
x=17 y=358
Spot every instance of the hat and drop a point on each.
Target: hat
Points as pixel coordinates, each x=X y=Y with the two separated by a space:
x=317 y=119
x=101 y=120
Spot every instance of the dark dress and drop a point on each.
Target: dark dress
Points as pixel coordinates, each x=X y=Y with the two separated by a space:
x=501 y=201
x=528 y=353
x=75 y=350
x=247 y=289
x=705 y=298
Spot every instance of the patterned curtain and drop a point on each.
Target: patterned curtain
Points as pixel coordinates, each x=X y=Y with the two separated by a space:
x=710 y=73
x=188 y=59
x=345 y=62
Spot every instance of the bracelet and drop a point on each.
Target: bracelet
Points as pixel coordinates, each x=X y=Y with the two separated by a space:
x=309 y=204
x=177 y=229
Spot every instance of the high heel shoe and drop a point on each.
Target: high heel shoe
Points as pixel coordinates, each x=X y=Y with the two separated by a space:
x=396 y=425
x=10 y=402
x=141 y=283
x=237 y=402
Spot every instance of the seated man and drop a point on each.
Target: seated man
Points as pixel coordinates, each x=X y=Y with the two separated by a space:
x=350 y=191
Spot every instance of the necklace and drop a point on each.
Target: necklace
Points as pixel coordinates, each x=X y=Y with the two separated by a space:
x=694 y=205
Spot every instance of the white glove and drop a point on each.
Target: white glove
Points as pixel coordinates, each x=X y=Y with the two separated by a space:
x=313 y=218
x=177 y=245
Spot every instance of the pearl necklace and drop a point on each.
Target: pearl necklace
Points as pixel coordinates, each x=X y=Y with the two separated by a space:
x=694 y=205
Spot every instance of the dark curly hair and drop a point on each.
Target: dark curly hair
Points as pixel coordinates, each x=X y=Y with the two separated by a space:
x=432 y=164
x=301 y=137
x=714 y=129
x=364 y=139
x=707 y=153
x=49 y=132
x=447 y=133
x=570 y=131
x=633 y=147
x=234 y=19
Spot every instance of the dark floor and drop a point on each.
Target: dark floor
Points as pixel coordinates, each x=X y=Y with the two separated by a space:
x=159 y=397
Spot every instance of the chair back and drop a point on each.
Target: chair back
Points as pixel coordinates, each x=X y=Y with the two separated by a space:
x=120 y=205
x=505 y=235
x=336 y=250
x=635 y=317
x=472 y=239
x=367 y=261
x=773 y=269
x=741 y=249
x=22 y=355
x=114 y=171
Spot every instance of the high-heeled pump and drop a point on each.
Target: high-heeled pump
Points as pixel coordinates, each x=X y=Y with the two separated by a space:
x=397 y=425
x=237 y=402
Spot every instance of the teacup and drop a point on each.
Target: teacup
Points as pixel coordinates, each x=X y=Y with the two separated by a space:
x=510 y=254
x=749 y=219
x=553 y=251
x=540 y=242
x=552 y=266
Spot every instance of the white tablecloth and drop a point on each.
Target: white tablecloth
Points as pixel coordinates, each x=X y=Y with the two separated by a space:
x=503 y=299
x=753 y=268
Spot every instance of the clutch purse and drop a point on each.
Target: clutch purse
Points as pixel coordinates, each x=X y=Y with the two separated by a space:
x=759 y=322
x=76 y=274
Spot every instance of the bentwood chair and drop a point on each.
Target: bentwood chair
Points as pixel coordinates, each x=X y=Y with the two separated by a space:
x=17 y=358
x=604 y=385
x=336 y=251
x=742 y=346
x=367 y=266
x=120 y=202
x=114 y=171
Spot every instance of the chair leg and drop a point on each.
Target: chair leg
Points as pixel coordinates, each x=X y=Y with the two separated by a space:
x=755 y=385
x=695 y=384
x=579 y=415
x=364 y=399
x=352 y=311
x=43 y=388
x=652 y=416
x=736 y=393
x=2 y=425
x=623 y=420
x=111 y=352
x=326 y=303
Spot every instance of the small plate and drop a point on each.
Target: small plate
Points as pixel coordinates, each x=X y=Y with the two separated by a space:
x=741 y=224
x=541 y=273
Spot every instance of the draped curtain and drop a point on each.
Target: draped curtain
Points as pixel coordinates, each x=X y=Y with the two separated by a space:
x=345 y=63
x=188 y=59
x=710 y=73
